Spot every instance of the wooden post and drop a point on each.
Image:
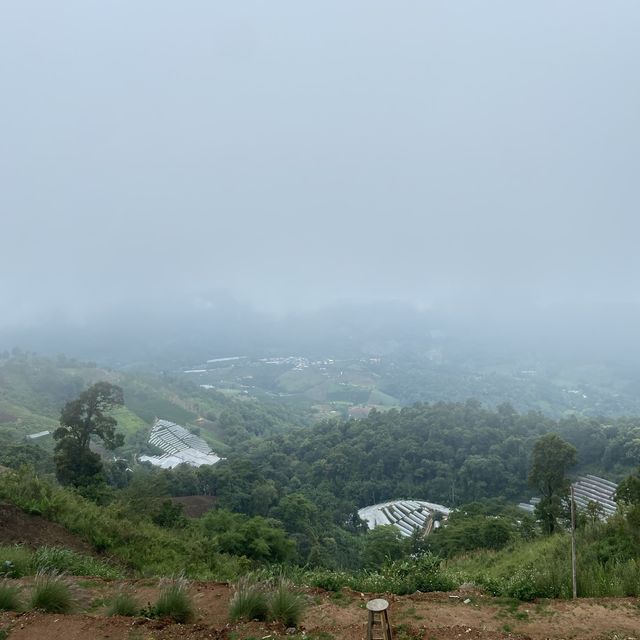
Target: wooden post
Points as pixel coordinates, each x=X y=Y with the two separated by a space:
x=573 y=546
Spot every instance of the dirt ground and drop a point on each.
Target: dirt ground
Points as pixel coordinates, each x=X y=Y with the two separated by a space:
x=328 y=616
x=18 y=527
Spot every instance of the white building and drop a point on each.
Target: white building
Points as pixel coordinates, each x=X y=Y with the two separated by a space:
x=407 y=515
x=180 y=447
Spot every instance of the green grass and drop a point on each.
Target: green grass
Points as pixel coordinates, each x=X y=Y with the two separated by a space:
x=128 y=422
x=9 y=597
x=407 y=632
x=29 y=421
x=524 y=571
x=51 y=594
x=123 y=604
x=71 y=563
x=15 y=561
x=340 y=598
x=249 y=602
x=380 y=398
x=136 y=543
x=542 y=569
x=286 y=605
x=300 y=381
x=147 y=403
x=175 y=603
x=261 y=601
x=423 y=573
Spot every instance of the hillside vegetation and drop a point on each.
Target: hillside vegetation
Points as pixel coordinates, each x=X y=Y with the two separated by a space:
x=33 y=389
x=286 y=497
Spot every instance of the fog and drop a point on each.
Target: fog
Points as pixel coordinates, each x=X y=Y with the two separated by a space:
x=478 y=159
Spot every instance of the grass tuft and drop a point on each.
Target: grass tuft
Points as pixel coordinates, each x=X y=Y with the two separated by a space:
x=286 y=605
x=9 y=597
x=72 y=563
x=51 y=594
x=124 y=604
x=249 y=602
x=175 y=603
x=15 y=561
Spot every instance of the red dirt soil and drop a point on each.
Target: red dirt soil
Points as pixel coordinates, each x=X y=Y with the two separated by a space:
x=331 y=617
x=18 y=527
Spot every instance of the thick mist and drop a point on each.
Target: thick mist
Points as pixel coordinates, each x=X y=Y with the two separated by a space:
x=476 y=161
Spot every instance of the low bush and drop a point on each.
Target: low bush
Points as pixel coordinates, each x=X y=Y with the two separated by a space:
x=71 y=563
x=174 y=602
x=15 y=561
x=123 y=604
x=51 y=593
x=135 y=541
x=286 y=605
x=249 y=602
x=421 y=573
x=9 y=597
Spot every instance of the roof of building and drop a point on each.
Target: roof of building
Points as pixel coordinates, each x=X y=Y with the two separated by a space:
x=407 y=515
x=180 y=446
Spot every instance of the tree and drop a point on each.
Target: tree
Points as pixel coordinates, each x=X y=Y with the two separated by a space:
x=257 y=538
x=594 y=511
x=382 y=544
x=552 y=456
x=628 y=499
x=80 y=420
x=628 y=492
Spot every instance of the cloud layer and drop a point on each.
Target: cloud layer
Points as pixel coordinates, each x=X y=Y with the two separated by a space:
x=296 y=154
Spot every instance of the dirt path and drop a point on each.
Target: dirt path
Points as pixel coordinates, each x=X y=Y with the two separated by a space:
x=329 y=616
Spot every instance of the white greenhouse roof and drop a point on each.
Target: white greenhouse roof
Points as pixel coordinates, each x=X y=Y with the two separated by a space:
x=407 y=515
x=40 y=434
x=587 y=489
x=180 y=447
x=594 y=489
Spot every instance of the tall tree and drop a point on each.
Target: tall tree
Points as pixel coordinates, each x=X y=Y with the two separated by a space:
x=80 y=420
x=552 y=457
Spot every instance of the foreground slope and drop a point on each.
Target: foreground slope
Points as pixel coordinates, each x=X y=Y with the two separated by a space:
x=341 y=616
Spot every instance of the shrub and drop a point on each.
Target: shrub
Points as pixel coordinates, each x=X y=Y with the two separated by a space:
x=327 y=579
x=249 y=602
x=629 y=574
x=136 y=542
x=9 y=600
x=522 y=585
x=51 y=594
x=123 y=604
x=174 y=602
x=420 y=573
x=47 y=559
x=286 y=605
x=15 y=561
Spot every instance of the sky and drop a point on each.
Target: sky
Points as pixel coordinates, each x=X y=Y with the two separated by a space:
x=294 y=154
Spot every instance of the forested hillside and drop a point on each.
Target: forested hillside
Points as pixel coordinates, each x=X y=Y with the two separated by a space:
x=288 y=491
x=33 y=390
